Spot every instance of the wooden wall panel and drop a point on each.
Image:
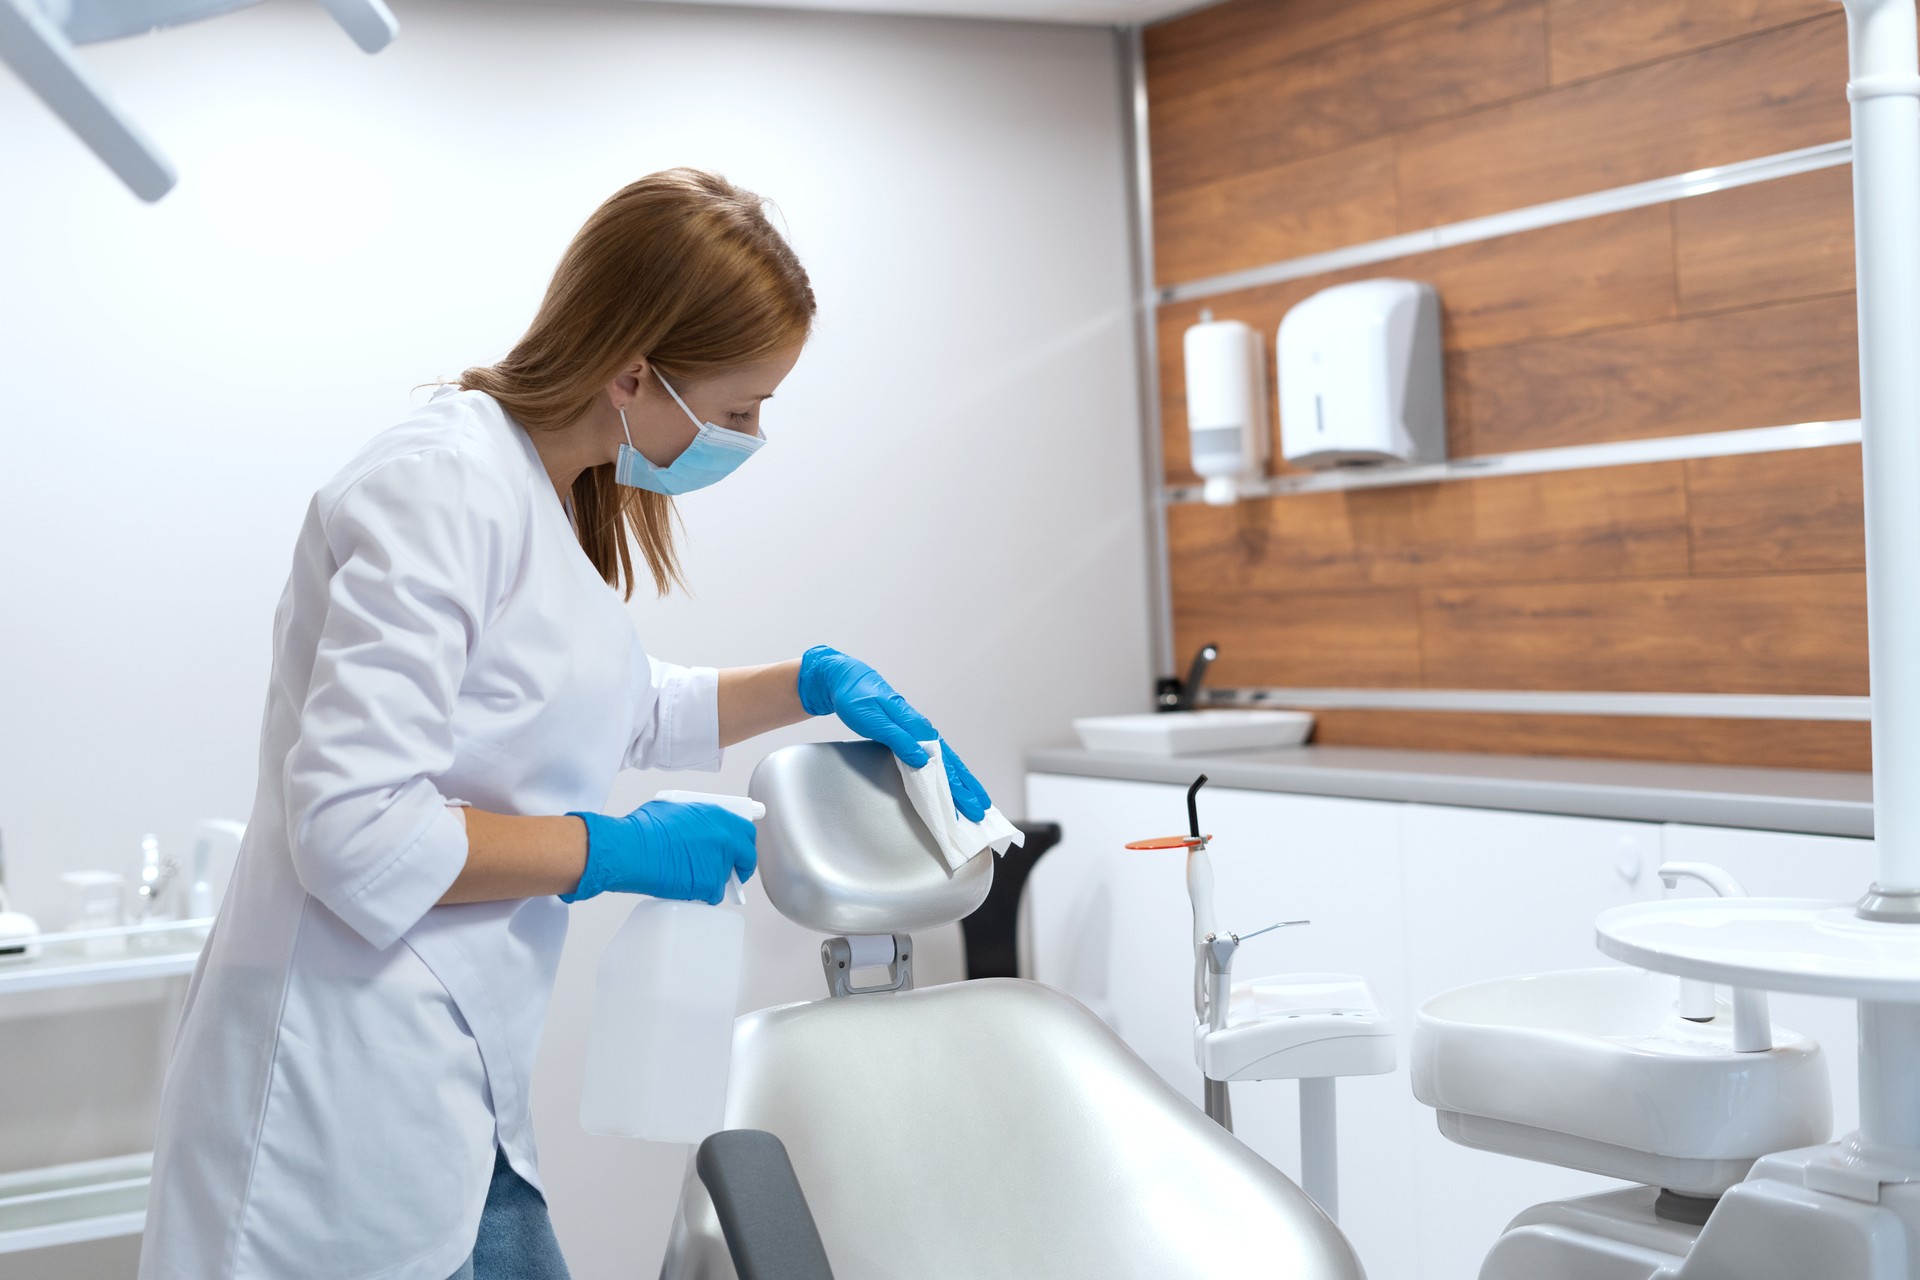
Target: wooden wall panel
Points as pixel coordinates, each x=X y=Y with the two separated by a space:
x=1777 y=512
x=1605 y=523
x=1594 y=274
x=1322 y=202
x=1780 y=744
x=1483 y=51
x=1346 y=639
x=1763 y=94
x=1594 y=37
x=1777 y=633
x=1792 y=362
x=1787 y=239
x=1281 y=128
x=1242 y=37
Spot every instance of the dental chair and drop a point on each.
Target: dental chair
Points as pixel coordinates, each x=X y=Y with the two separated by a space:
x=984 y=1130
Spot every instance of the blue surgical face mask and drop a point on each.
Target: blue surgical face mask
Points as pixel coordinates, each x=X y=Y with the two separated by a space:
x=712 y=456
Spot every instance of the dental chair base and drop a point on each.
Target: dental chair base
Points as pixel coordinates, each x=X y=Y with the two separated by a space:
x=996 y=1128
x=1612 y=1236
x=1777 y=1225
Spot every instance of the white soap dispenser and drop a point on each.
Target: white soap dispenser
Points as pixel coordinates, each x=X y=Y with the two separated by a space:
x=1360 y=376
x=1227 y=424
x=661 y=1038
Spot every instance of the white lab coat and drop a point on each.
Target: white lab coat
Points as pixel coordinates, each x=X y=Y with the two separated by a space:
x=351 y=1053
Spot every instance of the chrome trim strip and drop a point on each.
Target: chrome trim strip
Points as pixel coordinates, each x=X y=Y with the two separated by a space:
x=1734 y=706
x=1133 y=63
x=1595 y=204
x=1619 y=453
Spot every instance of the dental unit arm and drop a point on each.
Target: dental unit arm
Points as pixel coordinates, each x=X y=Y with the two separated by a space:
x=37 y=39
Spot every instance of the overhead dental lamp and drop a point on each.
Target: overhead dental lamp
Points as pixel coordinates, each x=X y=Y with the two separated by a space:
x=37 y=39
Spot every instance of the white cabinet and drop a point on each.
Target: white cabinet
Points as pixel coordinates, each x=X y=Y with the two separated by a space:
x=84 y=1014
x=1419 y=899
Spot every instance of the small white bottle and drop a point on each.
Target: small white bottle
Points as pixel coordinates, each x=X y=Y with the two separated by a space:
x=661 y=1038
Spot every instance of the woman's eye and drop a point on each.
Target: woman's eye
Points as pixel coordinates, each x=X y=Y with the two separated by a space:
x=742 y=417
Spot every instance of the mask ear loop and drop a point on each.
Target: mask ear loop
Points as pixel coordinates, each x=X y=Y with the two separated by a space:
x=622 y=411
x=676 y=397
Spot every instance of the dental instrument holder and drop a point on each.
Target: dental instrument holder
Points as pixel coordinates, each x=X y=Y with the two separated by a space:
x=1302 y=1036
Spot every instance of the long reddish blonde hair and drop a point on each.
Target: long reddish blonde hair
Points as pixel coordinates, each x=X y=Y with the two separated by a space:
x=681 y=267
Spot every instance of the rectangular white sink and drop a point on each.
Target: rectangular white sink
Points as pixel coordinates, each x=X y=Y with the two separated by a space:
x=1181 y=733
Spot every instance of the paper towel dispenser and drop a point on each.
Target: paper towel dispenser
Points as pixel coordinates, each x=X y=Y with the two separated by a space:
x=1360 y=376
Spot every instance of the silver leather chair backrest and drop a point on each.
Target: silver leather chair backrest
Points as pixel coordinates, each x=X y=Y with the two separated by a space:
x=842 y=851
x=987 y=1130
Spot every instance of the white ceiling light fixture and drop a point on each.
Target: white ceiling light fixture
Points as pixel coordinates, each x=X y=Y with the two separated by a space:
x=37 y=39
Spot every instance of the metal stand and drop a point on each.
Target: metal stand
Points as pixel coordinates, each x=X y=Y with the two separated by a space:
x=1219 y=1104
x=1319 y=1145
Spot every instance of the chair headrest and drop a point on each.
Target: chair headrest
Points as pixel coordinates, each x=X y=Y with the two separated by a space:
x=842 y=851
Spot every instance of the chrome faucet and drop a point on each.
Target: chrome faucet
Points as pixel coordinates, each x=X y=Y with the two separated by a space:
x=1752 y=1024
x=1184 y=695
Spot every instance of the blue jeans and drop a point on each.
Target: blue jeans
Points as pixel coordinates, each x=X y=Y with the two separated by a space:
x=516 y=1240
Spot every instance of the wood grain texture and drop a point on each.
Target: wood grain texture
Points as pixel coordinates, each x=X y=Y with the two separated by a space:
x=1777 y=744
x=1599 y=273
x=1267 y=215
x=1594 y=37
x=1752 y=97
x=1790 y=238
x=1280 y=128
x=1777 y=512
x=1359 y=639
x=1205 y=129
x=1779 y=633
x=1223 y=41
x=1761 y=367
x=1606 y=523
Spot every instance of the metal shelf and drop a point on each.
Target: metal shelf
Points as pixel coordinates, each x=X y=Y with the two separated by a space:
x=160 y=950
x=71 y=1203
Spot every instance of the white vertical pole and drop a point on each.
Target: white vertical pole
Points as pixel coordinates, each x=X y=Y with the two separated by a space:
x=1889 y=1102
x=1320 y=1145
x=1885 y=93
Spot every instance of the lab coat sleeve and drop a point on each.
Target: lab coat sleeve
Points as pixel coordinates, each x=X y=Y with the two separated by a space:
x=420 y=546
x=678 y=725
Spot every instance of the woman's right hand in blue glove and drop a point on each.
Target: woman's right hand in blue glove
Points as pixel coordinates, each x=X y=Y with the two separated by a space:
x=666 y=849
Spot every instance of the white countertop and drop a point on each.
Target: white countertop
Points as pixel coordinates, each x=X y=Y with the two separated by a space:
x=1805 y=800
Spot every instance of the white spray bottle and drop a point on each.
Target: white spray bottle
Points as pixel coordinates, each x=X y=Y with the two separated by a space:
x=661 y=1038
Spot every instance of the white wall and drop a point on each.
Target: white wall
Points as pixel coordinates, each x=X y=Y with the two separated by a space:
x=952 y=489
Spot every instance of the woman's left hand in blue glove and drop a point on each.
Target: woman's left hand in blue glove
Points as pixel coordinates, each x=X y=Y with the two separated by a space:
x=830 y=681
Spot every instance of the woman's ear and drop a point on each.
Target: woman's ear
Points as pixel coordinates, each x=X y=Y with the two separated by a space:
x=627 y=383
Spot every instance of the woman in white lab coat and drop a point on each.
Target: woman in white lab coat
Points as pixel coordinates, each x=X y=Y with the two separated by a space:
x=456 y=681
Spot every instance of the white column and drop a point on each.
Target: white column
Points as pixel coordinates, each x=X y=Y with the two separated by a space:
x=1885 y=92
x=1320 y=1145
x=1889 y=1090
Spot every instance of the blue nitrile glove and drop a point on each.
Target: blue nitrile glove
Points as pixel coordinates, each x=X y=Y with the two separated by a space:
x=830 y=681
x=666 y=849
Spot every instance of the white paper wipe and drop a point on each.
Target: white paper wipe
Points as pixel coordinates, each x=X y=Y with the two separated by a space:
x=960 y=841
